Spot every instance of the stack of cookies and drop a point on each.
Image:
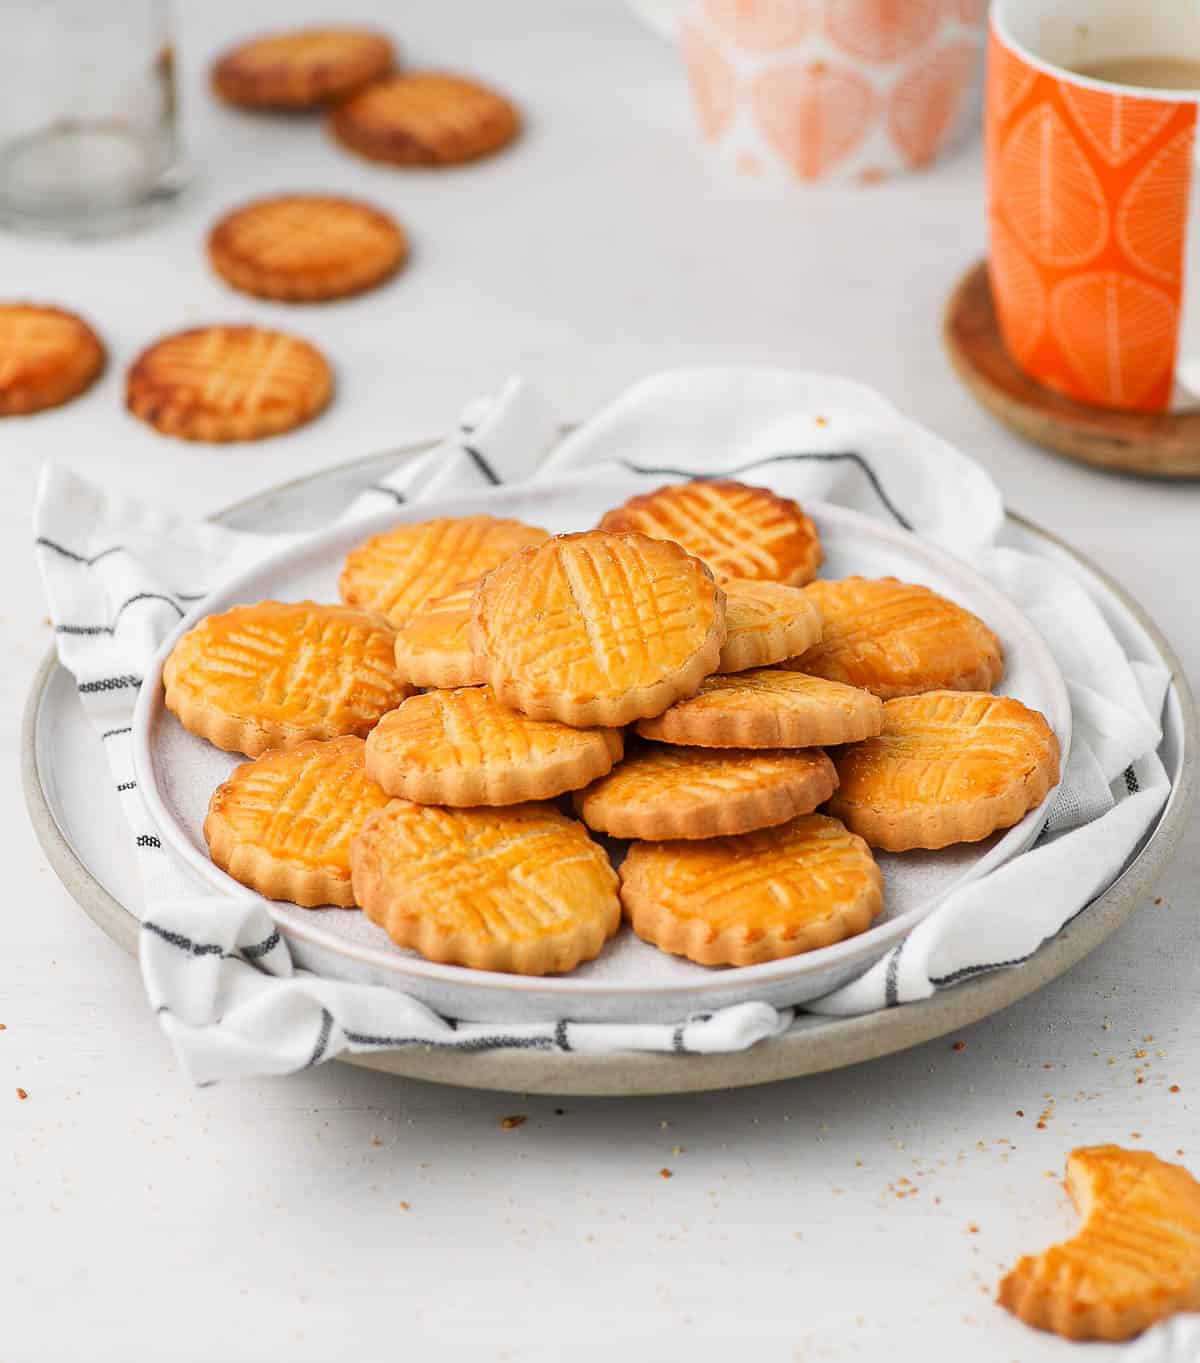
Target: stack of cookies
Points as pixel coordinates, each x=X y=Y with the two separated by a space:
x=441 y=748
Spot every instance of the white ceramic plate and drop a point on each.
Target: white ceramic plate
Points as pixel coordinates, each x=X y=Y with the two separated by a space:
x=177 y=773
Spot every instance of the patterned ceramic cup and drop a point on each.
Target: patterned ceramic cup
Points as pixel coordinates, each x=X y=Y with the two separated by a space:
x=829 y=89
x=1088 y=198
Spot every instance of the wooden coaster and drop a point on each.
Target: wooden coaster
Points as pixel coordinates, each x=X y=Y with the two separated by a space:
x=1166 y=444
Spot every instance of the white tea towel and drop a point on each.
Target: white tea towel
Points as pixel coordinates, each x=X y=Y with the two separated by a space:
x=119 y=576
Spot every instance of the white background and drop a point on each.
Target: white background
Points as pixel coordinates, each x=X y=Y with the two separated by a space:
x=142 y=1219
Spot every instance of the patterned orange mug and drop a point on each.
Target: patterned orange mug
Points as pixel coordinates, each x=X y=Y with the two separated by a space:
x=1090 y=122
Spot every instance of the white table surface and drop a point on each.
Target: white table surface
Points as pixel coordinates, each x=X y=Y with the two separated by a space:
x=345 y=1215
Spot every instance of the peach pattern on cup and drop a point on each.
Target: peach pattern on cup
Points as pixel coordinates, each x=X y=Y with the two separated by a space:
x=1087 y=205
x=815 y=89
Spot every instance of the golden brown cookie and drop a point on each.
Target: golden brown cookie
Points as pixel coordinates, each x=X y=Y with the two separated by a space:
x=738 y=530
x=758 y=897
x=277 y=673
x=282 y=824
x=425 y=118
x=896 y=639
x=433 y=646
x=463 y=747
x=949 y=766
x=403 y=570
x=47 y=357
x=771 y=708
x=766 y=623
x=228 y=383
x=1133 y=1262
x=302 y=69
x=661 y=792
x=597 y=629
x=522 y=889
x=304 y=248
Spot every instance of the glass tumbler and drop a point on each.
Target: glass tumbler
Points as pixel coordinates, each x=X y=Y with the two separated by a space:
x=89 y=142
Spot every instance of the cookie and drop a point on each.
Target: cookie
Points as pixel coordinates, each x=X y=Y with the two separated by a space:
x=425 y=118
x=228 y=383
x=948 y=766
x=522 y=889
x=277 y=673
x=303 y=69
x=47 y=357
x=400 y=572
x=597 y=629
x=433 y=646
x=754 y=898
x=665 y=792
x=462 y=747
x=304 y=248
x=896 y=639
x=282 y=824
x=738 y=530
x=771 y=708
x=766 y=623
x=1133 y=1262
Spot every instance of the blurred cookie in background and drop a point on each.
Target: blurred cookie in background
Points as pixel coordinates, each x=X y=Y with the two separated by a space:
x=47 y=357
x=305 y=248
x=426 y=118
x=224 y=383
x=302 y=69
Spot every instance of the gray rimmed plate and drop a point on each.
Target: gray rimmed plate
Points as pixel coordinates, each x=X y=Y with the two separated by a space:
x=81 y=843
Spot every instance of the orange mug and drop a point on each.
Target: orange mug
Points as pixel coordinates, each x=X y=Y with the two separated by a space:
x=1089 y=168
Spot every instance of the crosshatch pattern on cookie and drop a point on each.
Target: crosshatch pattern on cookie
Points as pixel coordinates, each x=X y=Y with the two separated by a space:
x=283 y=824
x=756 y=897
x=895 y=638
x=594 y=616
x=522 y=889
x=285 y=672
x=738 y=530
x=401 y=571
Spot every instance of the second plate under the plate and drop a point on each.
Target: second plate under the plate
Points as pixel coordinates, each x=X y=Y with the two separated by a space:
x=629 y=981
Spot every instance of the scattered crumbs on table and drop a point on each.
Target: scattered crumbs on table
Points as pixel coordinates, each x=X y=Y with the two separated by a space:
x=1112 y=1060
x=1020 y=1112
x=1106 y=1026
x=376 y=1141
x=821 y=420
x=1046 y=1065
x=972 y=1228
x=22 y=1094
x=665 y=1173
x=3 y=1026
x=1141 y=1079
x=1150 y=1037
x=1173 y=1089
x=858 y=1164
x=1179 y=1151
x=959 y=1046
x=677 y=1150
x=404 y=1207
x=560 y=1111
x=1139 y=1054
x=1135 y=1135
x=511 y=1123
x=1157 y=902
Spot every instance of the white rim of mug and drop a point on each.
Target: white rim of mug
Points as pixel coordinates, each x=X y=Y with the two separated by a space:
x=1002 y=34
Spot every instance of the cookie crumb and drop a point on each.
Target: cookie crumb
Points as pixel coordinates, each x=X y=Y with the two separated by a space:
x=1020 y=1112
x=22 y=1094
x=1173 y=1089
x=511 y=1123
x=376 y=1141
x=959 y=1046
x=972 y=1228
x=665 y=1173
